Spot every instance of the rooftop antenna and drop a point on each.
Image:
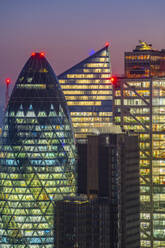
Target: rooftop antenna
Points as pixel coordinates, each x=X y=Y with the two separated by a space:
x=7 y=81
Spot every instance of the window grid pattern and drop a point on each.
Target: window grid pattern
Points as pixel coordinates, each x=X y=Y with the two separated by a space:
x=37 y=158
x=140 y=107
x=88 y=92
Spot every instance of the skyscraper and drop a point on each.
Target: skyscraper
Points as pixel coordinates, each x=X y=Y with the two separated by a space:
x=82 y=222
x=111 y=171
x=139 y=106
x=37 y=157
x=144 y=61
x=88 y=92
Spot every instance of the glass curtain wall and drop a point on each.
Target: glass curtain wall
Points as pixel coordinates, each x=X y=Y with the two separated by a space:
x=37 y=157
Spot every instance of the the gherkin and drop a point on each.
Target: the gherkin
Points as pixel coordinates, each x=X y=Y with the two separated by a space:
x=37 y=157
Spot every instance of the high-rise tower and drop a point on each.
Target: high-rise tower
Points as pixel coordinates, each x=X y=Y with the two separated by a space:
x=37 y=157
x=109 y=167
x=139 y=107
x=88 y=92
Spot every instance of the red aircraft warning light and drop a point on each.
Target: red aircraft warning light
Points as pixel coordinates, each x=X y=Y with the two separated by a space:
x=113 y=80
x=107 y=44
x=42 y=54
x=8 y=81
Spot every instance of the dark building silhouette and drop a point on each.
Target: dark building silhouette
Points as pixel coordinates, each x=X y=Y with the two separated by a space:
x=82 y=168
x=82 y=222
x=108 y=173
x=111 y=170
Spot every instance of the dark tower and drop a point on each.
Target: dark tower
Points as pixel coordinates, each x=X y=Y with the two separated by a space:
x=111 y=171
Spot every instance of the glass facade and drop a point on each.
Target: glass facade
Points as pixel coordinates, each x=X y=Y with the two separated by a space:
x=139 y=106
x=88 y=92
x=37 y=157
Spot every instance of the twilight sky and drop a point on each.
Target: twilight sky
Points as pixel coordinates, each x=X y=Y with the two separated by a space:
x=67 y=30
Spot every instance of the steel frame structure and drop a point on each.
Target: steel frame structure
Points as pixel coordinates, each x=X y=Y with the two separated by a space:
x=139 y=107
x=37 y=157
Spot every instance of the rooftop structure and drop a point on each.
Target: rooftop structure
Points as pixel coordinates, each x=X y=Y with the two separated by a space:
x=144 y=62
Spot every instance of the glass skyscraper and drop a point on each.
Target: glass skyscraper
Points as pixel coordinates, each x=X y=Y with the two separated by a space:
x=139 y=107
x=88 y=92
x=37 y=157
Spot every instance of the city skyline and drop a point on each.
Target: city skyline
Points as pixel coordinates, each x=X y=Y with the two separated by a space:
x=67 y=32
x=105 y=76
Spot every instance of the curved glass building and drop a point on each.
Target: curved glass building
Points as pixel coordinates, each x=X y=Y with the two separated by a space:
x=37 y=157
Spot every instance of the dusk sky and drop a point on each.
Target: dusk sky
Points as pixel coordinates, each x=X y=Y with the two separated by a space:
x=68 y=30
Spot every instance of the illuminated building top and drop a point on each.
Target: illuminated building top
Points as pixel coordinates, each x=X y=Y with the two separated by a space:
x=144 y=46
x=144 y=62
